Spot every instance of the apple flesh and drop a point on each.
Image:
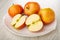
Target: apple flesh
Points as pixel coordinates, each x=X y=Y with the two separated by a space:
x=34 y=23
x=36 y=27
x=31 y=8
x=19 y=21
x=32 y=18
x=15 y=19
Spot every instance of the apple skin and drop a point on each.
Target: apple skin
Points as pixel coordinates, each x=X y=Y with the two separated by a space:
x=15 y=9
x=21 y=27
x=31 y=8
x=47 y=15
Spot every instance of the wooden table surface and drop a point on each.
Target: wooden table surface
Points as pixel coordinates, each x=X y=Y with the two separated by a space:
x=6 y=35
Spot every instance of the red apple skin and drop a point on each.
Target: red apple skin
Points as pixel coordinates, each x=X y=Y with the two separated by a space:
x=31 y=8
x=15 y=9
x=21 y=27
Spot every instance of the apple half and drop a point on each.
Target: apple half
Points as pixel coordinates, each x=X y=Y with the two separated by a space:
x=18 y=21
x=34 y=23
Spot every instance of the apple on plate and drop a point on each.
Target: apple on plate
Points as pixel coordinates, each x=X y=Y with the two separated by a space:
x=47 y=15
x=34 y=23
x=15 y=9
x=31 y=8
x=18 y=21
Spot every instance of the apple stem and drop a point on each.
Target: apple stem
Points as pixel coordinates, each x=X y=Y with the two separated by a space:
x=27 y=7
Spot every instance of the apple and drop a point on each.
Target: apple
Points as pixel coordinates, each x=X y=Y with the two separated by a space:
x=18 y=21
x=31 y=8
x=34 y=23
x=36 y=27
x=47 y=15
x=15 y=9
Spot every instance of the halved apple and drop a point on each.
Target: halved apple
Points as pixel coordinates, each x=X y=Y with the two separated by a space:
x=15 y=19
x=18 y=21
x=36 y=27
x=32 y=18
x=34 y=23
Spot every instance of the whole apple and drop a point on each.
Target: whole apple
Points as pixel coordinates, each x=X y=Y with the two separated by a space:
x=15 y=9
x=47 y=15
x=31 y=8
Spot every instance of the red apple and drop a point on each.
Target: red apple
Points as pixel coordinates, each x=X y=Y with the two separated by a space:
x=15 y=9
x=31 y=8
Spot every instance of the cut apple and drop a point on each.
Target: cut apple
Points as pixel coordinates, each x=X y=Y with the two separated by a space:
x=36 y=27
x=32 y=18
x=19 y=21
x=15 y=19
x=34 y=23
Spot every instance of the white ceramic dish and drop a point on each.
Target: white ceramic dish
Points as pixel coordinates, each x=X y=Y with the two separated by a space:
x=24 y=31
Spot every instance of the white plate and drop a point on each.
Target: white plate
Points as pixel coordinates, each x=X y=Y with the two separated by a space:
x=25 y=32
